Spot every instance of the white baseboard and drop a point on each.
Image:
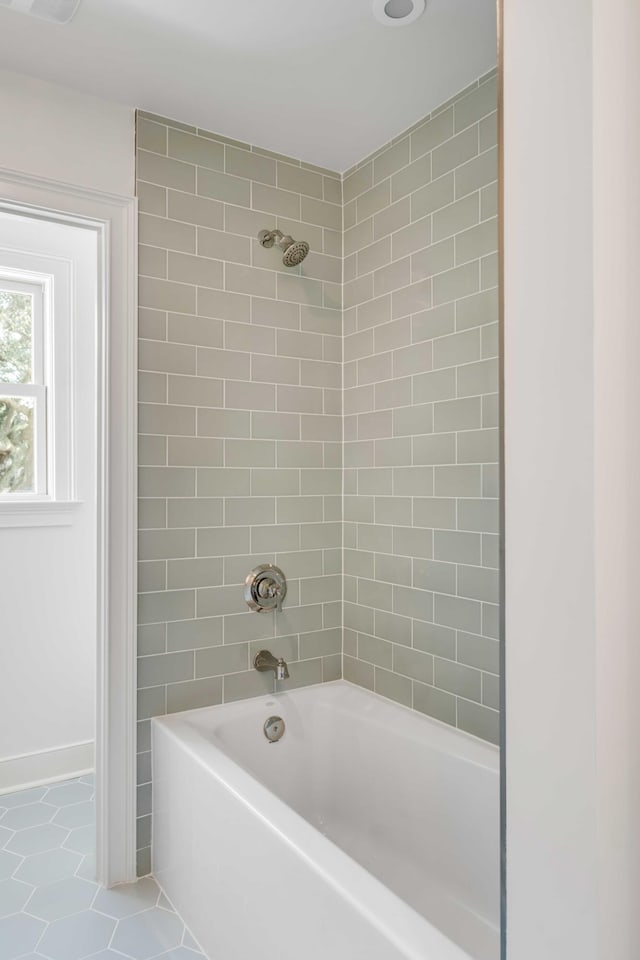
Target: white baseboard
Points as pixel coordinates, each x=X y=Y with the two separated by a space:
x=37 y=769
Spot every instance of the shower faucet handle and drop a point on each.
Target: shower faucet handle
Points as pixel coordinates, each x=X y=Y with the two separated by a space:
x=265 y=588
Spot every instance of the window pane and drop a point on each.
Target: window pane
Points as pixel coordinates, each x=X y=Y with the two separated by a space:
x=16 y=337
x=17 y=446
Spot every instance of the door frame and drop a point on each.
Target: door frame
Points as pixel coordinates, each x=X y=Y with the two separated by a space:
x=113 y=219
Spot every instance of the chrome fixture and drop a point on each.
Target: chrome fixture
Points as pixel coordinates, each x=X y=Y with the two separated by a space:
x=265 y=588
x=273 y=729
x=265 y=660
x=294 y=250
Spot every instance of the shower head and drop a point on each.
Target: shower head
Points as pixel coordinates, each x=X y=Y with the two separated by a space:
x=294 y=250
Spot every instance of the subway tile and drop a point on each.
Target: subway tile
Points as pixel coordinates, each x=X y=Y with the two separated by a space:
x=413 y=481
x=194 y=573
x=432 y=260
x=152 y=262
x=198 y=331
x=166 y=419
x=457 y=612
x=411 y=177
x=374 y=312
x=165 y=171
x=434 y=449
x=192 y=694
x=456 y=546
x=436 y=512
x=302 y=290
x=412 y=238
x=240 y=278
x=409 y=421
x=224 y=305
x=216 y=661
x=456 y=217
x=194 y=149
x=374 y=256
x=195 y=452
x=165 y=606
x=411 y=299
x=186 y=268
x=151 y=136
x=434 y=575
x=151 y=199
x=458 y=679
x=191 y=512
x=221 y=186
x=478 y=720
x=391 y=160
x=358 y=182
x=392 y=393
x=165 y=295
x=392 y=277
x=164 y=668
x=456 y=283
x=478 y=309
x=478 y=446
x=432 y=133
x=195 y=391
x=249 y=453
x=476 y=105
x=435 y=639
x=413 y=663
x=299 y=180
x=477 y=173
x=321 y=213
x=166 y=482
x=477 y=242
x=480 y=652
x=481 y=515
x=196 y=210
x=282 y=203
x=219 y=363
x=413 y=359
x=243 y=163
x=240 y=395
x=275 y=369
x=455 y=151
x=152 y=387
x=219 y=245
x=223 y=482
x=434 y=703
x=433 y=196
x=275 y=426
x=478 y=583
x=451 y=415
x=393 y=217
x=373 y=200
x=166 y=357
x=409 y=602
x=488 y=131
x=458 y=481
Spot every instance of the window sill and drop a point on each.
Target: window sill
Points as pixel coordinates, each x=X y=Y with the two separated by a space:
x=38 y=513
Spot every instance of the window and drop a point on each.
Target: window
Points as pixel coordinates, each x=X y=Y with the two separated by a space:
x=23 y=389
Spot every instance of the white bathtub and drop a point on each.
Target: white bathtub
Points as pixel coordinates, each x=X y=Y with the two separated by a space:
x=368 y=832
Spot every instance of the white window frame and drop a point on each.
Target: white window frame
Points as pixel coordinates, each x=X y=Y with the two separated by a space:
x=54 y=502
x=39 y=288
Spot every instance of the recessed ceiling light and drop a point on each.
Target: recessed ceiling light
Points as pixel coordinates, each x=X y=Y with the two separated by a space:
x=397 y=13
x=56 y=11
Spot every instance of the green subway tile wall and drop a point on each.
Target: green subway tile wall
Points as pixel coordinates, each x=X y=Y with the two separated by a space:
x=338 y=419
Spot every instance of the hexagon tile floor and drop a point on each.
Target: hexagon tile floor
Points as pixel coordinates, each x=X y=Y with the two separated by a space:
x=51 y=908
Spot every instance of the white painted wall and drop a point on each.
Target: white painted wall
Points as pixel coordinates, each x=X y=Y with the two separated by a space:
x=60 y=134
x=572 y=400
x=48 y=646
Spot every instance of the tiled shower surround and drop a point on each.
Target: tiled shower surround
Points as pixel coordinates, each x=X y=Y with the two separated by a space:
x=242 y=384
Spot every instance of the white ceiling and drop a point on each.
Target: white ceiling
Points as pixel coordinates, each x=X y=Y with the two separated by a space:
x=320 y=80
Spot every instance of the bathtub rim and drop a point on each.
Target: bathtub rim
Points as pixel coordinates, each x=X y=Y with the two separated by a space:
x=402 y=925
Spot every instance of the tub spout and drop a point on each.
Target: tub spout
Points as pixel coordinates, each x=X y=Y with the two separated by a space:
x=265 y=660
